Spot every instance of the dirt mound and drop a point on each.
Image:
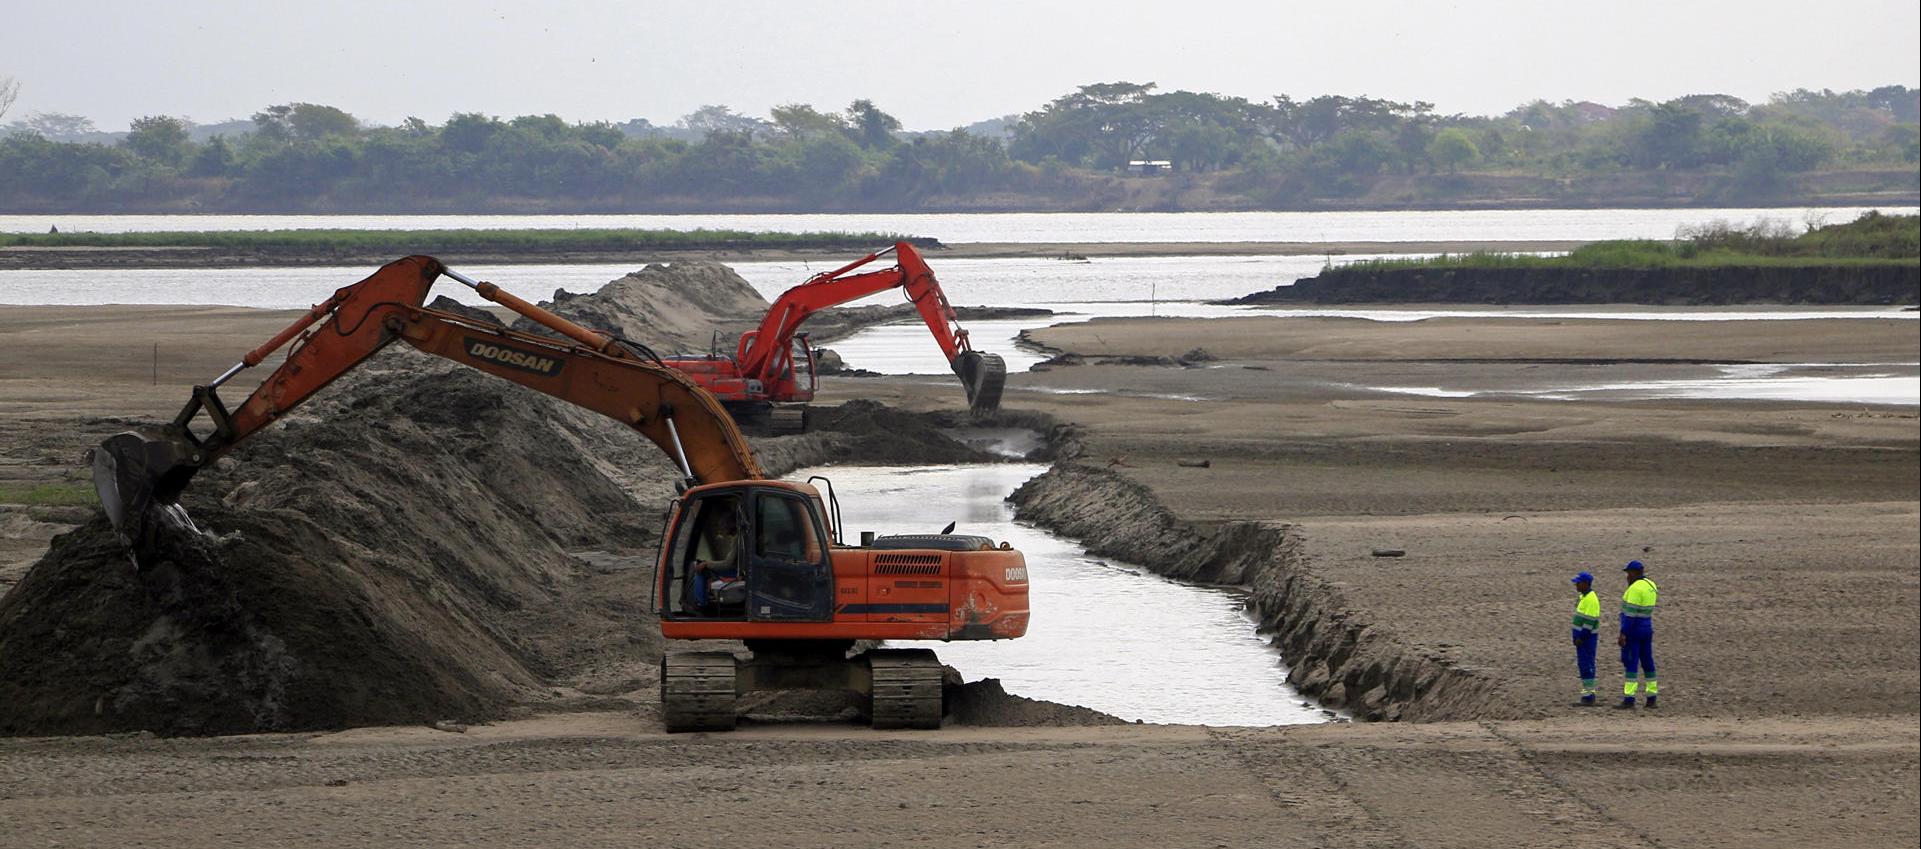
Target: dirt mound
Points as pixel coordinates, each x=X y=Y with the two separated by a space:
x=670 y=307
x=986 y=703
x=370 y=561
x=875 y=434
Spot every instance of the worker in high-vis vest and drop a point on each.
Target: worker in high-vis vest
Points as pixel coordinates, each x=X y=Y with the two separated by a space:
x=1637 y=636
x=1587 y=633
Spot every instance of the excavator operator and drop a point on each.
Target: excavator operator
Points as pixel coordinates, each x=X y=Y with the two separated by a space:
x=715 y=582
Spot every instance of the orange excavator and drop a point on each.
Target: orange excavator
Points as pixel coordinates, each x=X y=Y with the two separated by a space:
x=742 y=556
x=772 y=371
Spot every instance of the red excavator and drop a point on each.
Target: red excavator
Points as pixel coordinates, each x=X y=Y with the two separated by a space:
x=772 y=373
x=742 y=556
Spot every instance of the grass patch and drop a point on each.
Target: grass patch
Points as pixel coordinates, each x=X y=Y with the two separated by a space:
x=50 y=494
x=1871 y=240
x=428 y=241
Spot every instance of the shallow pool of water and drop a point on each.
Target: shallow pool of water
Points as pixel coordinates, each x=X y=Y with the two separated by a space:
x=1896 y=384
x=1104 y=634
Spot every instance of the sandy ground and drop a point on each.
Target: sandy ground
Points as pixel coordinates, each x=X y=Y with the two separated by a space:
x=1783 y=536
x=601 y=780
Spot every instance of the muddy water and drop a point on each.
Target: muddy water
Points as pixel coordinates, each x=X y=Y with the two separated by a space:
x=1105 y=635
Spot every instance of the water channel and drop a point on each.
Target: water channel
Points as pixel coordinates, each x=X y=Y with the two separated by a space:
x=1106 y=635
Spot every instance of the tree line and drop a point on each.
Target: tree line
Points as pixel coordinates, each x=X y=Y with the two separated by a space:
x=1277 y=153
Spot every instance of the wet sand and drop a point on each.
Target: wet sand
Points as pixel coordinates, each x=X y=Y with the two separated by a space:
x=1782 y=535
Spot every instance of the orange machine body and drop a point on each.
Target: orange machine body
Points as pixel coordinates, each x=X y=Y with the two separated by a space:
x=802 y=586
x=773 y=362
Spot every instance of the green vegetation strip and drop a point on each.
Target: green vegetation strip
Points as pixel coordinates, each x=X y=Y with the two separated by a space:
x=404 y=241
x=50 y=494
x=1871 y=240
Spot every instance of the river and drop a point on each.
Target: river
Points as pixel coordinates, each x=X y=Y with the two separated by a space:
x=1106 y=635
x=1020 y=227
x=1074 y=290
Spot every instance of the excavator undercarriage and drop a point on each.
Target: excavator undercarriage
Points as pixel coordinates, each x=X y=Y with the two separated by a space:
x=897 y=688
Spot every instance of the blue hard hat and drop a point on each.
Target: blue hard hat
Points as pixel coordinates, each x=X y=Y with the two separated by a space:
x=1632 y=565
x=1583 y=577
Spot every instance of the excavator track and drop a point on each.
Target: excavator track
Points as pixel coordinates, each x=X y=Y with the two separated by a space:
x=697 y=691
x=906 y=688
x=787 y=419
x=983 y=376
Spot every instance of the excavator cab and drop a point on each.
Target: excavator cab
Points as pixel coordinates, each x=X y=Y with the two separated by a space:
x=754 y=553
x=802 y=373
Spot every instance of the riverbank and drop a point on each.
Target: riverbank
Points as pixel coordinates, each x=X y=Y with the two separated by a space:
x=1879 y=284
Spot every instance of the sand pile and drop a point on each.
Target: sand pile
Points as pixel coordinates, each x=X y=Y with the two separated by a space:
x=875 y=434
x=366 y=563
x=670 y=307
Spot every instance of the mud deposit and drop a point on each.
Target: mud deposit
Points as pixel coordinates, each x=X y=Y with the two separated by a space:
x=418 y=543
x=986 y=703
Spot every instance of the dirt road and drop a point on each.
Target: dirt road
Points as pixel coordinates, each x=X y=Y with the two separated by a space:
x=605 y=780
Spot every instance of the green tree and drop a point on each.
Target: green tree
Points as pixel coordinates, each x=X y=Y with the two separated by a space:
x=158 y=138
x=721 y=119
x=796 y=120
x=873 y=129
x=214 y=159
x=314 y=122
x=469 y=132
x=1453 y=148
x=1101 y=126
x=60 y=126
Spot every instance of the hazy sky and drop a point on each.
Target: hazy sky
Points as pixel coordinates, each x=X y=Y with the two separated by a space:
x=934 y=65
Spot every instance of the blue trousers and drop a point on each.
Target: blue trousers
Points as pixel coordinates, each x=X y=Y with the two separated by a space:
x=1638 y=656
x=1584 y=644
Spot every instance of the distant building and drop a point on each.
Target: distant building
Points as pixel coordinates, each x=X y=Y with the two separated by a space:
x=1149 y=166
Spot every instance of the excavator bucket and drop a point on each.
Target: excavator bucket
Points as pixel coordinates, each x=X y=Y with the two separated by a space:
x=982 y=375
x=138 y=477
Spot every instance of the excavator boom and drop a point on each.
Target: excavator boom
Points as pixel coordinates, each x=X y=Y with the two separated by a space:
x=765 y=353
x=140 y=475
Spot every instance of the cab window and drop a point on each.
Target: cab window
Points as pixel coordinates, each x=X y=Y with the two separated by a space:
x=785 y=529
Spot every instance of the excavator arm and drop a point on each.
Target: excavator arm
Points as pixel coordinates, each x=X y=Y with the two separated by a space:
x=767 y=350
x=140 y=475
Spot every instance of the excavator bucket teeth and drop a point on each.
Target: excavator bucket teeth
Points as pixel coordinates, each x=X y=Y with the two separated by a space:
x=983 y=376
x=137 y=477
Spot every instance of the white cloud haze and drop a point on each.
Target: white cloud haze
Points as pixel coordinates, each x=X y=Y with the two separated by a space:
x=934 y=65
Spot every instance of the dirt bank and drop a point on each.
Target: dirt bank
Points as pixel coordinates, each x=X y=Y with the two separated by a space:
x=1803 y=284
x=1335 y=654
